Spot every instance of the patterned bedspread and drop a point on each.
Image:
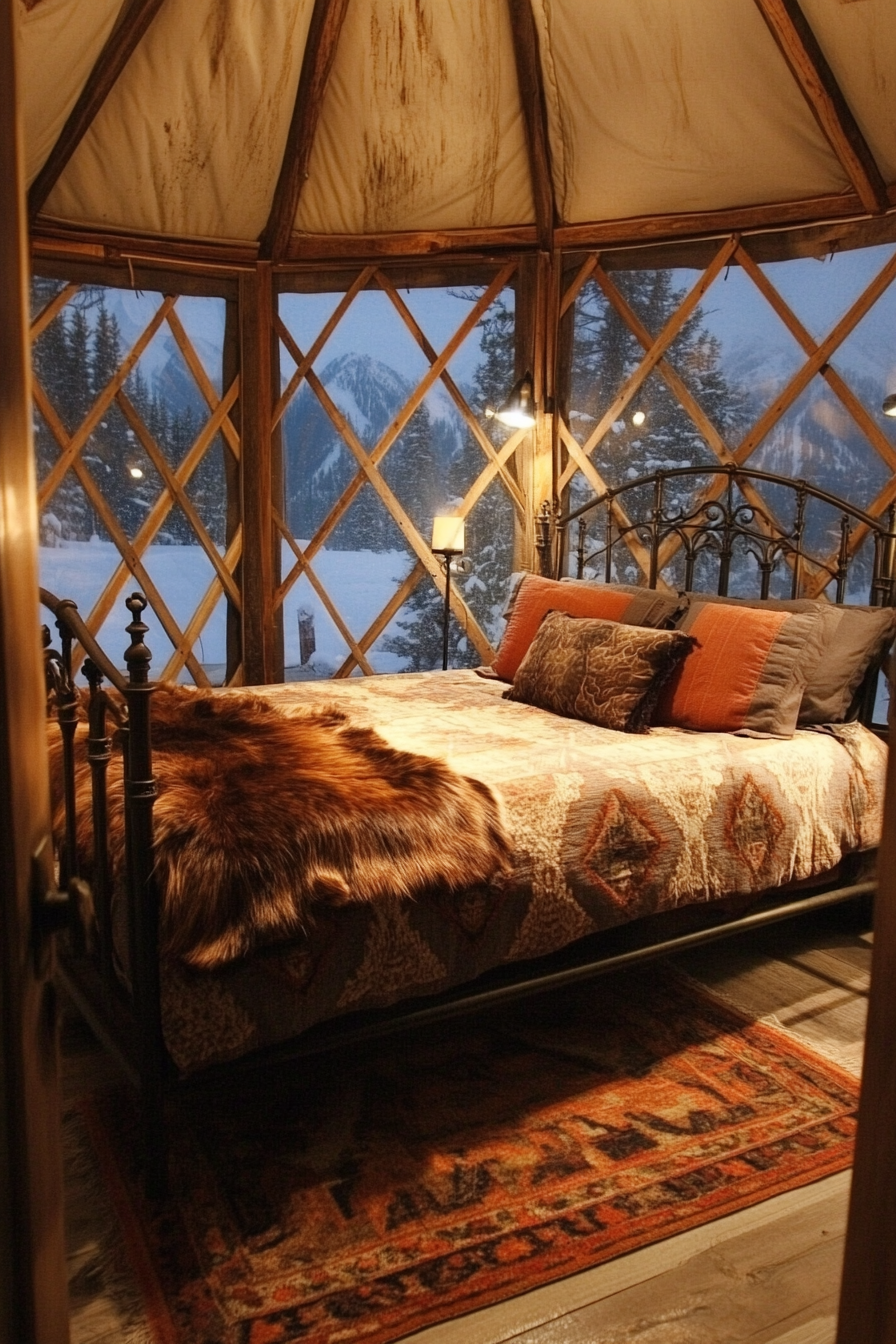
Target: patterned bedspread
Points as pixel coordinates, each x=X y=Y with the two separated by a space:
x=607 y=827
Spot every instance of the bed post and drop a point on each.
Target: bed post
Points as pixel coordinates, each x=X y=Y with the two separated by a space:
x=58 y=672
x=544 y=528
x=143 y=905
x=99 y=754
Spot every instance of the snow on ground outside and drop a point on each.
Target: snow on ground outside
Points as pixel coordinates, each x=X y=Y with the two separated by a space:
x=359 y=584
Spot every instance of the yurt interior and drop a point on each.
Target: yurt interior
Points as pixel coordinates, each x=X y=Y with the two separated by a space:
x=447 y=586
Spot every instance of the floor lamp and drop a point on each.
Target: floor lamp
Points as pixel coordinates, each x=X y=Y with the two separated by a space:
x=448 y=542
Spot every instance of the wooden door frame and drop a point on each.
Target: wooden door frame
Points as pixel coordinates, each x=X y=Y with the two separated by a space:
x=33 y=1295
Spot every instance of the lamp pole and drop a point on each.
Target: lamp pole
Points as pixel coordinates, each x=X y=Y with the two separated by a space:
x=447 y=541
x=447 y=557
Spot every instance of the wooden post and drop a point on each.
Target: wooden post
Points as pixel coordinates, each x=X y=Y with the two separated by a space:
x=261 y=656
x=230 y=365
x=868 y=1289
x=33 y=1299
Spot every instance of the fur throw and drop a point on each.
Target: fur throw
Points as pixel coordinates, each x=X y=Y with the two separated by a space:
x=261 y=814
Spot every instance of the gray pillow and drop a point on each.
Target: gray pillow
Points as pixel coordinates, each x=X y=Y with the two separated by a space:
x=852 y=638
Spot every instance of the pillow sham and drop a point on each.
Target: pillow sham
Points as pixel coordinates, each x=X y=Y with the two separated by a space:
x=536 y=596
x=852 y=638
x=747 y=673
x=601 y=671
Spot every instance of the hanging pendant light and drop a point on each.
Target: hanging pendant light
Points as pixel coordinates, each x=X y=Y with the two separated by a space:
x=889 y=404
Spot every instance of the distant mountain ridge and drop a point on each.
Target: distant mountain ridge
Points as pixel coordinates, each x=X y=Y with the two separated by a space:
x=318 y=464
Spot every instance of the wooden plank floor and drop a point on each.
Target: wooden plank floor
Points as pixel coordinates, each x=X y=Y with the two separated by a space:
x=767 y=1275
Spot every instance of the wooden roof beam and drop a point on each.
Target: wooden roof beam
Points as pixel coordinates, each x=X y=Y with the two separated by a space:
x=120 y=45
x=534 y=107
x=320 y=51
x=809 y=67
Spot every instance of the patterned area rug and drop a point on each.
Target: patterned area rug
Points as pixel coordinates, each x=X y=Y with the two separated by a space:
x=364 y=1196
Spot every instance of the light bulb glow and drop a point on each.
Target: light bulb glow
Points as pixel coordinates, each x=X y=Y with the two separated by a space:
x=136 y=472
x=638 y=418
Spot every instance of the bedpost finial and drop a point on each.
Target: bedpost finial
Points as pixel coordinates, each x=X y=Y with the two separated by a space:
x=137 y=655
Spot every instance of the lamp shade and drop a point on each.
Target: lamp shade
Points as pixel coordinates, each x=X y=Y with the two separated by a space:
x=448 y=535
x=889 y=405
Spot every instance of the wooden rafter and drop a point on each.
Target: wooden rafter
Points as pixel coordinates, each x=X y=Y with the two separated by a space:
x=809 y=67
x=119 y=47
x=534 y=109
x=320 y=50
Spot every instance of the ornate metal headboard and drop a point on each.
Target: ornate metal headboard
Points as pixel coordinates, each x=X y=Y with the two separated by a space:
x=689 y=527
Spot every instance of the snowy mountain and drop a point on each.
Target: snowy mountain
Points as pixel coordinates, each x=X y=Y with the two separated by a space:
x=319 y=464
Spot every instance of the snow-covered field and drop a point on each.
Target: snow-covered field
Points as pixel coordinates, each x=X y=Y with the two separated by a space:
x=359 y=584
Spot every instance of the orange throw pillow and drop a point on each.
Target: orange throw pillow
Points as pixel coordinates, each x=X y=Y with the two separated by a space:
x=746 y=674
x=535 y=598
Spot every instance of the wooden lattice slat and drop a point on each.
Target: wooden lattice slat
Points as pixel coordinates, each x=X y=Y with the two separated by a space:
x=816 y=361
x=173 y=487
x=369 y=462
x=52 y=311
x=303 y=566
x=859 y=413
x=580 y=457
x=360 y=282
x=179 y=496
x=202 y=615
x=204 y=383
x=392 y=607
x=104 y=400
x=408 y=530
x=456 y=395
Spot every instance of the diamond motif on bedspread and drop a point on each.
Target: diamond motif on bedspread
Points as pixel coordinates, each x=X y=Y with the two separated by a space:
x=554 y=917
x=623 y=851
x=395 y=959
x=472 y=910
x=754 y=825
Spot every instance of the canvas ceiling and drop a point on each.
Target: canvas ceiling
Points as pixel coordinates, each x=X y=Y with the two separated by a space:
x=650 y=108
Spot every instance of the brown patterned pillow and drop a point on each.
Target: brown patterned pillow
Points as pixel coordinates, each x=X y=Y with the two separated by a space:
x=600 y=671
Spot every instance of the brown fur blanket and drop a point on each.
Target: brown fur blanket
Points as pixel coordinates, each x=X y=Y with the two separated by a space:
x=260 y=815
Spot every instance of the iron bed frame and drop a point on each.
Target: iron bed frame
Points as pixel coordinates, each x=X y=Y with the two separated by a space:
x=128 y=1019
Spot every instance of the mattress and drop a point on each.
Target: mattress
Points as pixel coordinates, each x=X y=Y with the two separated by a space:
x=607 y=827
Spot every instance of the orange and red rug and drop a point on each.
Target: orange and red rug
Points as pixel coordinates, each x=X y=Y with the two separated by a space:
x=363 y=1197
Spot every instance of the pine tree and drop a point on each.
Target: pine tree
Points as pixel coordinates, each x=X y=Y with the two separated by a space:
x=489 y=527
x=605 y=355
